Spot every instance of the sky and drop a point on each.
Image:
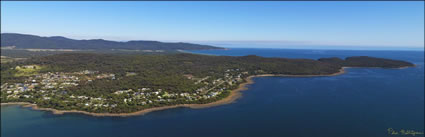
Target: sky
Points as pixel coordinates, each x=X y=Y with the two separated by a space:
x=238 y=24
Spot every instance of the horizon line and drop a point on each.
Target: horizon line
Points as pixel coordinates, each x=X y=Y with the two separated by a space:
x=284 y=43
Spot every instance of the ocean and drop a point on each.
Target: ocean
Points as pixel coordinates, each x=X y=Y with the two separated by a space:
x=364 y=102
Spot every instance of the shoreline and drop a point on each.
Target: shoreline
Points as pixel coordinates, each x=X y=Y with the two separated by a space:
x=233 y=96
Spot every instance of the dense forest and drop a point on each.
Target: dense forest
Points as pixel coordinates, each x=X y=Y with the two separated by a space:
x=23 y=41
x=25 y=53
x=171 y=73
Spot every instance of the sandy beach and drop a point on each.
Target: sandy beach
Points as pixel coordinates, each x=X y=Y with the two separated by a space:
x=234 y=95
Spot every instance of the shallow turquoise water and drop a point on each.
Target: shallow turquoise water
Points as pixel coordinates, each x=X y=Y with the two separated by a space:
x=360 y=103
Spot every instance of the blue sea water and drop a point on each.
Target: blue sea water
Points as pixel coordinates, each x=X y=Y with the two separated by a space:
x=364 y=102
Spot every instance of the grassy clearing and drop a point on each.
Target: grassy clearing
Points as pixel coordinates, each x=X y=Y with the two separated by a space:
x=27 y=70
x=5 y=59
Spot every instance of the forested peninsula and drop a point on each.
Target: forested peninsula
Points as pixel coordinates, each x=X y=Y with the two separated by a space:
x=118 y=84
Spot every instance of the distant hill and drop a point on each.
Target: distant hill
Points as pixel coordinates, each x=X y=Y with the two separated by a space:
x=23 y=41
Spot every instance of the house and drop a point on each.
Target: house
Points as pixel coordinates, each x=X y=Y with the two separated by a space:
x=144 y=89
x=130 y=74
x=188 y=76
x=29 y=67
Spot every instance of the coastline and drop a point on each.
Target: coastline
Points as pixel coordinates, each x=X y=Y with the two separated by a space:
x=234 y=95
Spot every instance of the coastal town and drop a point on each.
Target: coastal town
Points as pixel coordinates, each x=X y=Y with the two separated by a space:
x=53 y=88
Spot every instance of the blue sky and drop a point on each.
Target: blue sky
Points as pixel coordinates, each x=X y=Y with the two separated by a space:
x=277 y=24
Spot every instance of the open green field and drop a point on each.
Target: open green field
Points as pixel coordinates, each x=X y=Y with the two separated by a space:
x=5 y=59
x=27 y=71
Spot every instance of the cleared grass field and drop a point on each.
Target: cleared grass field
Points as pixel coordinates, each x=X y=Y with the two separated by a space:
x=27 y=70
